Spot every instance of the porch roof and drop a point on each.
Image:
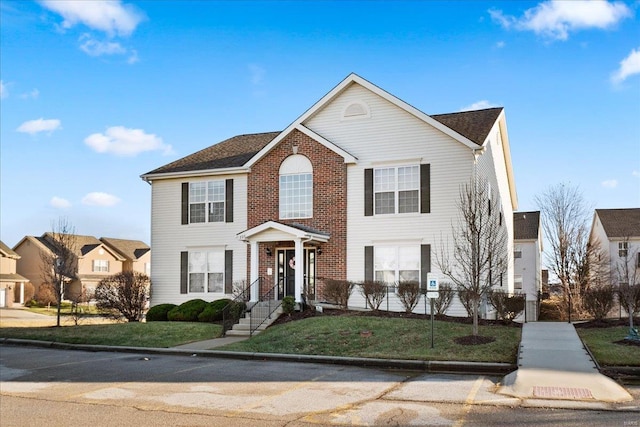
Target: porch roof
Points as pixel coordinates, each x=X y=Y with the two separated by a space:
x=265 y=233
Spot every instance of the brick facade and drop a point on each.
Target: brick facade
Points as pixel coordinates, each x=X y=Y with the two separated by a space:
x=329 y=204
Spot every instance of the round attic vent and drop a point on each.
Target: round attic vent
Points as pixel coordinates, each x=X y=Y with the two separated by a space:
x=356 y=110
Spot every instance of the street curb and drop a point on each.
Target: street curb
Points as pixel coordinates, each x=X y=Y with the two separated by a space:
x=452 y=367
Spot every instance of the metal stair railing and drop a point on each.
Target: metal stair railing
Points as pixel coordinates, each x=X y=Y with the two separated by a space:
x=236 y=309
x=264 y=308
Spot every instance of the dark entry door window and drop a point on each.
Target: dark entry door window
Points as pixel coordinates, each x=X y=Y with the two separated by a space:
x=287 y=265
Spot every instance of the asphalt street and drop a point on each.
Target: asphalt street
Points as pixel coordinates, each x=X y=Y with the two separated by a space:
x=64 y=387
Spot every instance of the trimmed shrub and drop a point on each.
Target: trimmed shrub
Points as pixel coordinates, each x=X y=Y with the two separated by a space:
x=213 y=311
x=409 y=294
x=187 y=311
x=338 y=292
x=598 y=302
x=507 y=306
x=158 y=313
x=445 y=297
x=288 y=305
x=551 y=309
x=373 y=292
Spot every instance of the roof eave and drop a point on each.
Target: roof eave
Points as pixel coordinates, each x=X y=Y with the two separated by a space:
x=149 y=177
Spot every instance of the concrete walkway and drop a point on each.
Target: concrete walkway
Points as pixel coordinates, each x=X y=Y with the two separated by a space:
x=210 y=344
x=553 y=364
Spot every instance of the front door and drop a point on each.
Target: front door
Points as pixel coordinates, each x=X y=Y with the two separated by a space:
x=287 y=265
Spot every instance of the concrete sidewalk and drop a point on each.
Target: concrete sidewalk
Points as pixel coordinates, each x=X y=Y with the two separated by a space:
x=553 y=364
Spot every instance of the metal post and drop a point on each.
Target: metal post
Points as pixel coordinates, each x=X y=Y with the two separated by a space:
x=431 y=322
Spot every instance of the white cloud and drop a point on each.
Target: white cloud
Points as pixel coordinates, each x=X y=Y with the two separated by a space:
x=628 y=67
x=39 y=125
x=479 y=105
x=59 y=203
x=93 y=47
x=4 y=92
x=133 y=57
x=556 y=18
x=257 y=73
x=610 y=183
x=126 y=142
x=34 y=94
x=100 y=199
x=500 y=44
x=109 y=16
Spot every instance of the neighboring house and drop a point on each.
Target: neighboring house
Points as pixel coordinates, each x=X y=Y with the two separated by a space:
x=361 y=186
x=11 y=283
x=527 y=259
x=95 y=260
x=617 y=231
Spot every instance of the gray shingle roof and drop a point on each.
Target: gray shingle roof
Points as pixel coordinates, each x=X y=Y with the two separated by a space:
x=474 y=125
x=232 y=152
x=526 y=225
x=236 y=151
x=620 y=223
x=130 y=249
x=7 y=250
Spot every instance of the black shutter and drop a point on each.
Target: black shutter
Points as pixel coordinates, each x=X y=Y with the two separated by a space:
x=425 y=188
x=228 y=272
x=228 y=202
x=425 y=263
x=368 y=192
x=368 y=263
x=185 y=203
x=184 y=271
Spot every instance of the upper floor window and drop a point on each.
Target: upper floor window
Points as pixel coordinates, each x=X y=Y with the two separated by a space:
x=100 y=266
x=623 y=249
x=206 y=201
x=396 y=190
x=517 y=253
x=296 y=187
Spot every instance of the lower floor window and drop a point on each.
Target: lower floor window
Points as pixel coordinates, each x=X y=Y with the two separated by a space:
x=206 y=271
x=393 y=264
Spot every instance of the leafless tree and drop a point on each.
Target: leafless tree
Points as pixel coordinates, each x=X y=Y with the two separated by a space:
x=627 y=276
x=125 y=293
x=565 y=222
x=480 y=255
x=59 y=265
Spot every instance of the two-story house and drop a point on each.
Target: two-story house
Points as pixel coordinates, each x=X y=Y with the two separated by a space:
x=11 y=283
x=527 y=259
x=95 y=259
x=361 y=186
x=617 y=232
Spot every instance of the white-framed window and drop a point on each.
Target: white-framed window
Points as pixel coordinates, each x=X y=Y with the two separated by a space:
x=517 y=281
x=517 y=253
x=396 y=190
x=206 y=201
x=296 y=188
x=206 y=272
x=396 y=263
x=623 y=248
x=100 y=266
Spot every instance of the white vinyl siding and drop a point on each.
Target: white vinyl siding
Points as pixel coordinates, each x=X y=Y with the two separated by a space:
x=169 y=237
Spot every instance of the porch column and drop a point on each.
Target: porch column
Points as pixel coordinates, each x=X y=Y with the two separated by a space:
x=255 y=285
x=21 y=292
x=299 y=272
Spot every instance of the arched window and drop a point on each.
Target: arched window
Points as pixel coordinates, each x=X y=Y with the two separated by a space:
x=296 y=187
x=356 y=110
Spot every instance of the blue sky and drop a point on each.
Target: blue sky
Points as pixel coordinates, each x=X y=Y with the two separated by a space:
x=94 y=94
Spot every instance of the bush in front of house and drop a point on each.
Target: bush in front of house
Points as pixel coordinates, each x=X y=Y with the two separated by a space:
x=409 y=294
x=158 y=313
x=373 y=292
x=46 y=295
x=288 y=304
x=507 y=306
x=214 y=310
x=338 y=291
x=445 y=297
x=598 y=301
x=187 y=311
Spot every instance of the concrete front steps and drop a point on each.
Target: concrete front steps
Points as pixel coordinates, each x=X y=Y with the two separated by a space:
x=243 y=328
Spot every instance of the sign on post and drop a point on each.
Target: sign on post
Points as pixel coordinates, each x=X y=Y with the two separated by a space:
x=433 y=286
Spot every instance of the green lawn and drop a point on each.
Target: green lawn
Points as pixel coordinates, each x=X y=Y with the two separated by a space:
x=391 y=338
x=601 y=342
x=152 y=334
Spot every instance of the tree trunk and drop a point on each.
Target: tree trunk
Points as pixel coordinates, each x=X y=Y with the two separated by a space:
x=475 y=319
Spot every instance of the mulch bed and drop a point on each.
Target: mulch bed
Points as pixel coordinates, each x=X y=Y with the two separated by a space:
x=606 y=323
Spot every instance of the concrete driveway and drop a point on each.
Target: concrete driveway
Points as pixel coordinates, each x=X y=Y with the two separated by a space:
x=21 y=317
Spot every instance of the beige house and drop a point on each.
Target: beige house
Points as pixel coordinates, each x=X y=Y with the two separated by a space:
x=95 y=260
x=11 y=283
